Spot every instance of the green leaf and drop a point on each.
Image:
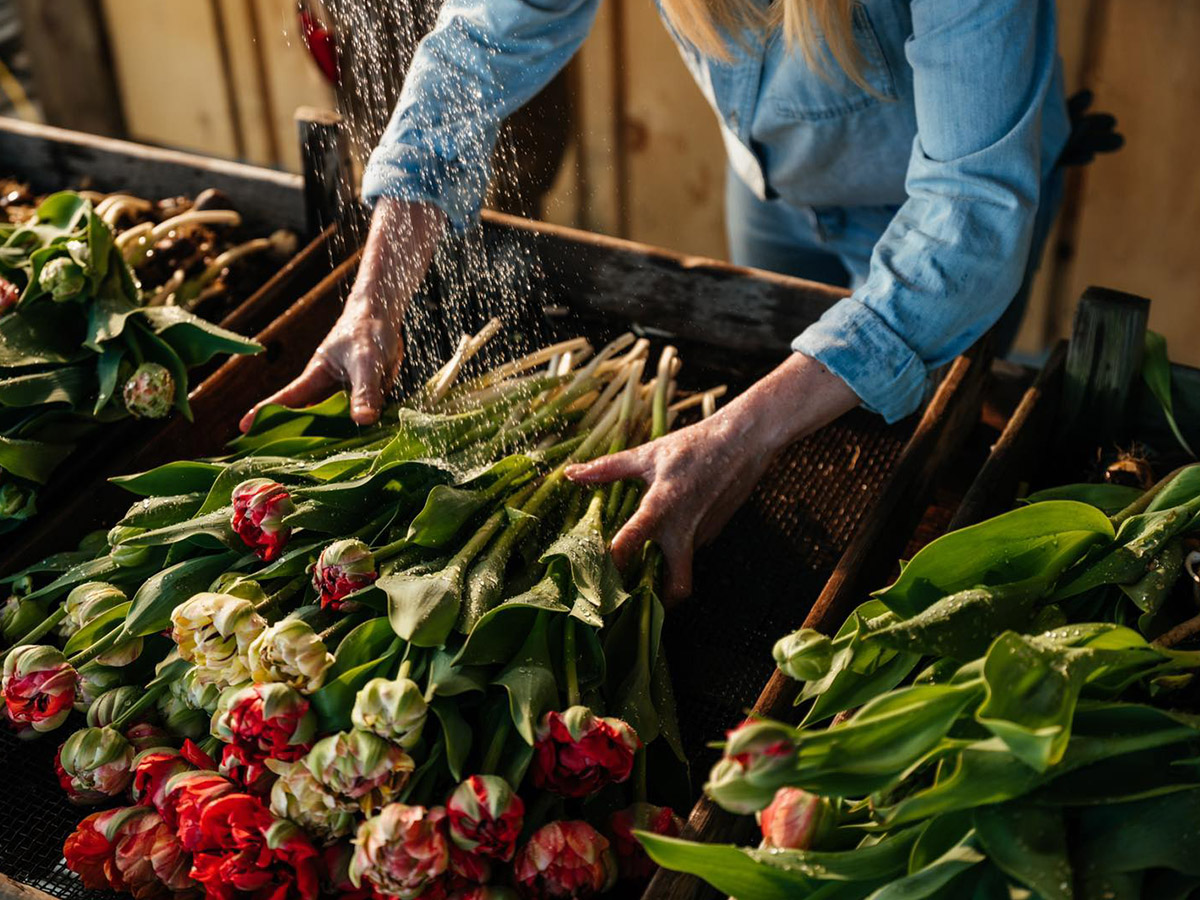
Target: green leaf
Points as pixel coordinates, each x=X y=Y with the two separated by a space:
x=1030 y=844
x=1159 y=832
x=39 y=336
x=364 y=643
x=529 y=680
x=501 y=630
x=1108 y=498
x=181 y=477
x=70 y=385
x=336 y=406
x=334 y=702
x=96 y=628
x=213 y=531
x=423 y=608
x=157 y=512
x=592 y=571
x=194 y=339
x=157 y=598
x=108 y=367
x=101 y=569
x=1032 y=542
x=457 y=734
x=927 y=881
x=108 y=316
x=34 y=460
x=1156 y=370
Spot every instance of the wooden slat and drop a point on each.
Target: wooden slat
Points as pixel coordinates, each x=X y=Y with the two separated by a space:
x=14 y=890
x=866 y=563
x=690 y=296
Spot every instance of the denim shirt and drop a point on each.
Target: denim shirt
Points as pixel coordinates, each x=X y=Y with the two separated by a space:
x=949 y=152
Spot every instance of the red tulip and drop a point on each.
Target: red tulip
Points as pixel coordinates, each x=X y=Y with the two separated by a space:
x=185 y=798
x=577 y=753
x=632 y=860
x=485 y=817
x=261 y=722
x=243 y=850
x=39 y=686
x=565 y=859
x=152 y=769
x=259 y=508
x=793 y=820
x=403 y=851
x=343 y=567
x=9 y=295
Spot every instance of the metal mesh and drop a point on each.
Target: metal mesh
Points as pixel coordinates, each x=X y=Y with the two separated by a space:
x=756 y=582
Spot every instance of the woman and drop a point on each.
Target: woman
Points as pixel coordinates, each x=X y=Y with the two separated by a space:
x=905 y=147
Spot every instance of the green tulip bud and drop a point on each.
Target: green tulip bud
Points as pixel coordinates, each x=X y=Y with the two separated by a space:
x=87 y=601
x=62 y=278
x=195 y=693
x=300 y=798
x=96 y=763
x=728 y=788
x=150 y=392
x=362 y=770
x=804 y=655
x=94 y=681
x=182 y=720
x=110 y=706
x=760 y=758
x=394 y=710
x=19 y=616
x=127 y=556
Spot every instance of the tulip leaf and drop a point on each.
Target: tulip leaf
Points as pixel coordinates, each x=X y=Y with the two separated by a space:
x=447 y=509
x=448 y=678
x=108 y=368
x=101 y=569
x=72 y=386
x=1156 y=371
x=932 y=876
x=529 y=680
x=1029 y=843
x=499 y=633
x=96 y=628
x=157 y=598
x=194 y=339
x=1158 y=832
x=423 y=608
x=212 y=530
x=108 y=314
x=36 y=337
x=457 y=735
x=364 y=643
x=158 y=512
x=336 y=406
x=181 y=477
x=34 y=460
x=334 y=702
x=593 y=573
x=1031 y=542
x=1108 y=498
x=296 y=559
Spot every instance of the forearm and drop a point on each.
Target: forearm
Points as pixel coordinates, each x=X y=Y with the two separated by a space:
x=795 y=399
x=400 y=246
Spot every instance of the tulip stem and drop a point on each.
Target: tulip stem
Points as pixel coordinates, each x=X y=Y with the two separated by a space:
x=639 y=776
x=288 y=590
x=491 y=759
x=340 y=627
x=405 y=669
x=40 y=630
x=570 y=664
x=98 y=647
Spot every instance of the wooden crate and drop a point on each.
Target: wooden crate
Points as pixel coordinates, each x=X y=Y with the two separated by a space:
x=51 y=159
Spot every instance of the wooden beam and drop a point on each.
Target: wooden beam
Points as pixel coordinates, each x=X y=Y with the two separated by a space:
x=67 y=43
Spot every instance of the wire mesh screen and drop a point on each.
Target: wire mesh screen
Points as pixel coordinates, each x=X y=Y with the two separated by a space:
x=753 y=584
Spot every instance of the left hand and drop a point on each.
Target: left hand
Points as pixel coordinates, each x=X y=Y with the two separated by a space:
x=700 y=476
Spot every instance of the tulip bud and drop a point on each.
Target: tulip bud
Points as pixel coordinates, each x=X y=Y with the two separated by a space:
x=291 y=653
x=19 y=616
x=401 y=851
x=95 y=681
x=127 y=556
x=394 y=710
x=261 y=722
x=39 y=686
x=362 y=770
x=577 y=753
x=196 y=694
x=17 y=501
x=111 y=705
x=259 y=508
x=9 y=295
x=184 y=798
x=214 y=631
x=343 y=567
x=91 y=850
x=485 y=817
x=182 y=720
x=565 y=859
x=152 y=769
x=632 y=860
x=794 y=820
x=86 y=602
x=94 y=764
x=759 y=759
x=62 y=278
x=299 y=797
x=150 y=392
x=804 y=655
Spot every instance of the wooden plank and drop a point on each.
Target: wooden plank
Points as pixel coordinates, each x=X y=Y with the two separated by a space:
x=14 y=890
x=171 y=74
x=866 y=564
x=51 y=159
x=245 y=81
x=690 y=296
x=72 y=67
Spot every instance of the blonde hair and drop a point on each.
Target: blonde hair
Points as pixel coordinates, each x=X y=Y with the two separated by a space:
x=823 y=30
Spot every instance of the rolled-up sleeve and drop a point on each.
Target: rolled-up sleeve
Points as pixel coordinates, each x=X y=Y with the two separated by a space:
x=483 y=60
x=955 y=254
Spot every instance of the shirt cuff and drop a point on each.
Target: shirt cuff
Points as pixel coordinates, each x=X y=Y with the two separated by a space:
x=403 y=173
x=856 y=345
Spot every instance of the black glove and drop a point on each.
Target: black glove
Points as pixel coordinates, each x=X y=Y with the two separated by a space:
x=1091 y=133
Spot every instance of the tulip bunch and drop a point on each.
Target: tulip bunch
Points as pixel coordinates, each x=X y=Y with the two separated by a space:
x=88 y=335
x=396 y=661
x=973 y=730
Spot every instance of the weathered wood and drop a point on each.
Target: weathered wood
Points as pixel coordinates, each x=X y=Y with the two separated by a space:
x=1103 y=364
x=1024 y=440
x=866 y=563
x=689 y=296
x=53 y=158
x=14 y=890
x=326 y=167
x=72 y=67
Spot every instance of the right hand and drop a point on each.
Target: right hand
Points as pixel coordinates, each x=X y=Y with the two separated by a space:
x=364 y=348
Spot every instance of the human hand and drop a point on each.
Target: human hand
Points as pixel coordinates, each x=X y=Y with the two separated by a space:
x=698 y=477
x=364 y=348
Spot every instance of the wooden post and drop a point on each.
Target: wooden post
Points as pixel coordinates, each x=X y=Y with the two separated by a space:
x=328 y=174
x=1104 y=363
